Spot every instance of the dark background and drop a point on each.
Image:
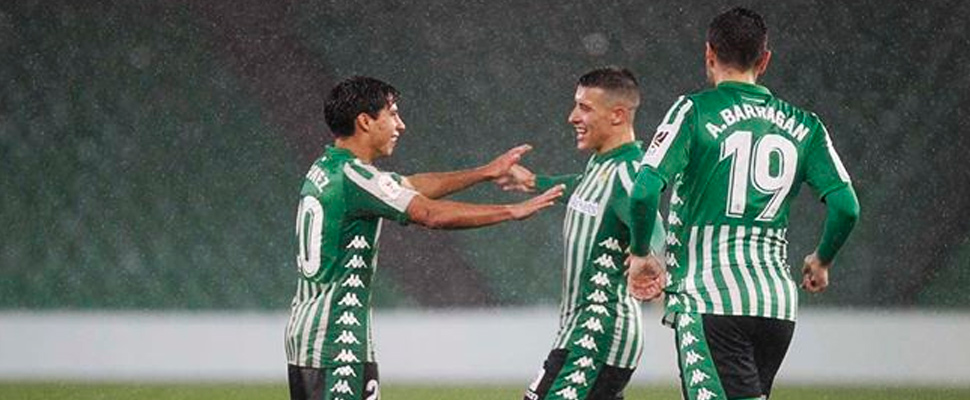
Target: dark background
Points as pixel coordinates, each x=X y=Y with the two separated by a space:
x=151 y=153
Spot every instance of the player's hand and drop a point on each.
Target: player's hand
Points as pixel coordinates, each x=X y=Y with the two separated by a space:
x=646 y=277
x=517 y=178
x=529 y=207
x=500 y=166
x=815 y=275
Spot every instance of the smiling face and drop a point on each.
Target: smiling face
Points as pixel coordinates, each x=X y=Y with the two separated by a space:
x=591 y=118
x=385 y=131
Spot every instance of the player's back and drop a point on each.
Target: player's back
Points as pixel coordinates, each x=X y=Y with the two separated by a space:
x=738 y=156
x=338 y=225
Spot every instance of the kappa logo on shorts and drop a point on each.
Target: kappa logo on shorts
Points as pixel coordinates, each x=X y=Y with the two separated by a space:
x=705 y=394
x=577 y=377
x=611 y=243
x=356 y=262
x=358 y=243
x=584 y=362
x=350 y=300
x=698 y=376
x=346 y=356
x=605 y=261
x=597 y=296
x=594 y=325
x=568 y=393
x=346 y=370
x=687 y=339
x=347 y=318
x=600 y=279
x=692 y=358
x=353 y=281
x=587 y=343
x=347 y=337
x=342 y=387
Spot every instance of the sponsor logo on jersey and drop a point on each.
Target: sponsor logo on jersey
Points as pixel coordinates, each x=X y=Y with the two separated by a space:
x=590 y=208
x=389 y=187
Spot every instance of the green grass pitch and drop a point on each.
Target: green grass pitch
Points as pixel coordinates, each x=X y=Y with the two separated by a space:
x=188 y=391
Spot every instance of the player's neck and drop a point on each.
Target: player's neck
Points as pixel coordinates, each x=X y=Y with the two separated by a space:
x=733 y=75
x=355 y=145
x=617 y=140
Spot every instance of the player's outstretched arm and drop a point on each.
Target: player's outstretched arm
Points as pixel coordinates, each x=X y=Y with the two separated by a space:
x=434 y=185
x=842 y=212
x=444 y=214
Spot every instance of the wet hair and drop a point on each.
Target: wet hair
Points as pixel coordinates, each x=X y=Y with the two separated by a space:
x=739 y=37
x=615 y=81
x=355 y=95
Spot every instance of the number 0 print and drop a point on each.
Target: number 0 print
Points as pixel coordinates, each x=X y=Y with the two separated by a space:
x=309 y=234
x=738 y=147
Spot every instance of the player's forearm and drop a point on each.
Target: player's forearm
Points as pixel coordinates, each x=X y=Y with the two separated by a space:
x=435 y=185
x=444 y=214
x=842 y=208
x=644 y=202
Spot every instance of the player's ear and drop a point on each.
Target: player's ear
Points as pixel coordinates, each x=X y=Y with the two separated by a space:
x=762 y=65
x=363 y=122
x=709 y=55
x=618 y=114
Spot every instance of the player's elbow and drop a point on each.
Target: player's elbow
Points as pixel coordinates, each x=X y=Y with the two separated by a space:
x=423 y=212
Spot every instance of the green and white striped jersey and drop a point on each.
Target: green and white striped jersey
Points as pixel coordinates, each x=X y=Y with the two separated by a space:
x=737 y=155
x=338 y=224
x=597 y=315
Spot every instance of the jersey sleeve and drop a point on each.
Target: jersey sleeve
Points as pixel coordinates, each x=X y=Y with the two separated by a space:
x=570 y=181
x=824 y=171
x=620 y=205
x=377 y=193
x=669 y=151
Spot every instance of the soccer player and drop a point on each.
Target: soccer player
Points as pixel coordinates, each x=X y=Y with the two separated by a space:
x=344 y=199
x=600 y=329
x=734 y=157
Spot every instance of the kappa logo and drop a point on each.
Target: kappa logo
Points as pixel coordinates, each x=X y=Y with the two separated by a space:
x=568 y=393
x=692 y=358
x=577 y=377
x=675 y=199
x=347 y=337
x=698 y=376
x=600 y=279
x=587 y=343
x=672 y=300
x=605 y=261
x=342 y=387
x=684 y=320
x=598 y=296
x=345 y=371
x=673 y=219
x=358 y=243
x=346 y=356
x=687 y=339
x=597 y=308
x=705 y=394
x=672 y=239
x=612 y=244
x=672 y=261
x=356 y=262
x=584 y=362
x=350 y=300
x=593 y=324
x=347 y=318
x=353 y=281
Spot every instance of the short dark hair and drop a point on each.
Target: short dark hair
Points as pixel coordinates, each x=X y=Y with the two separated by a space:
x=615 y=80
x=355 y=95
x=739 y=37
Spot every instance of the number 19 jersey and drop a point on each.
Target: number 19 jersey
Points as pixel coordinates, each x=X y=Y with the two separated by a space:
x=736 y=155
